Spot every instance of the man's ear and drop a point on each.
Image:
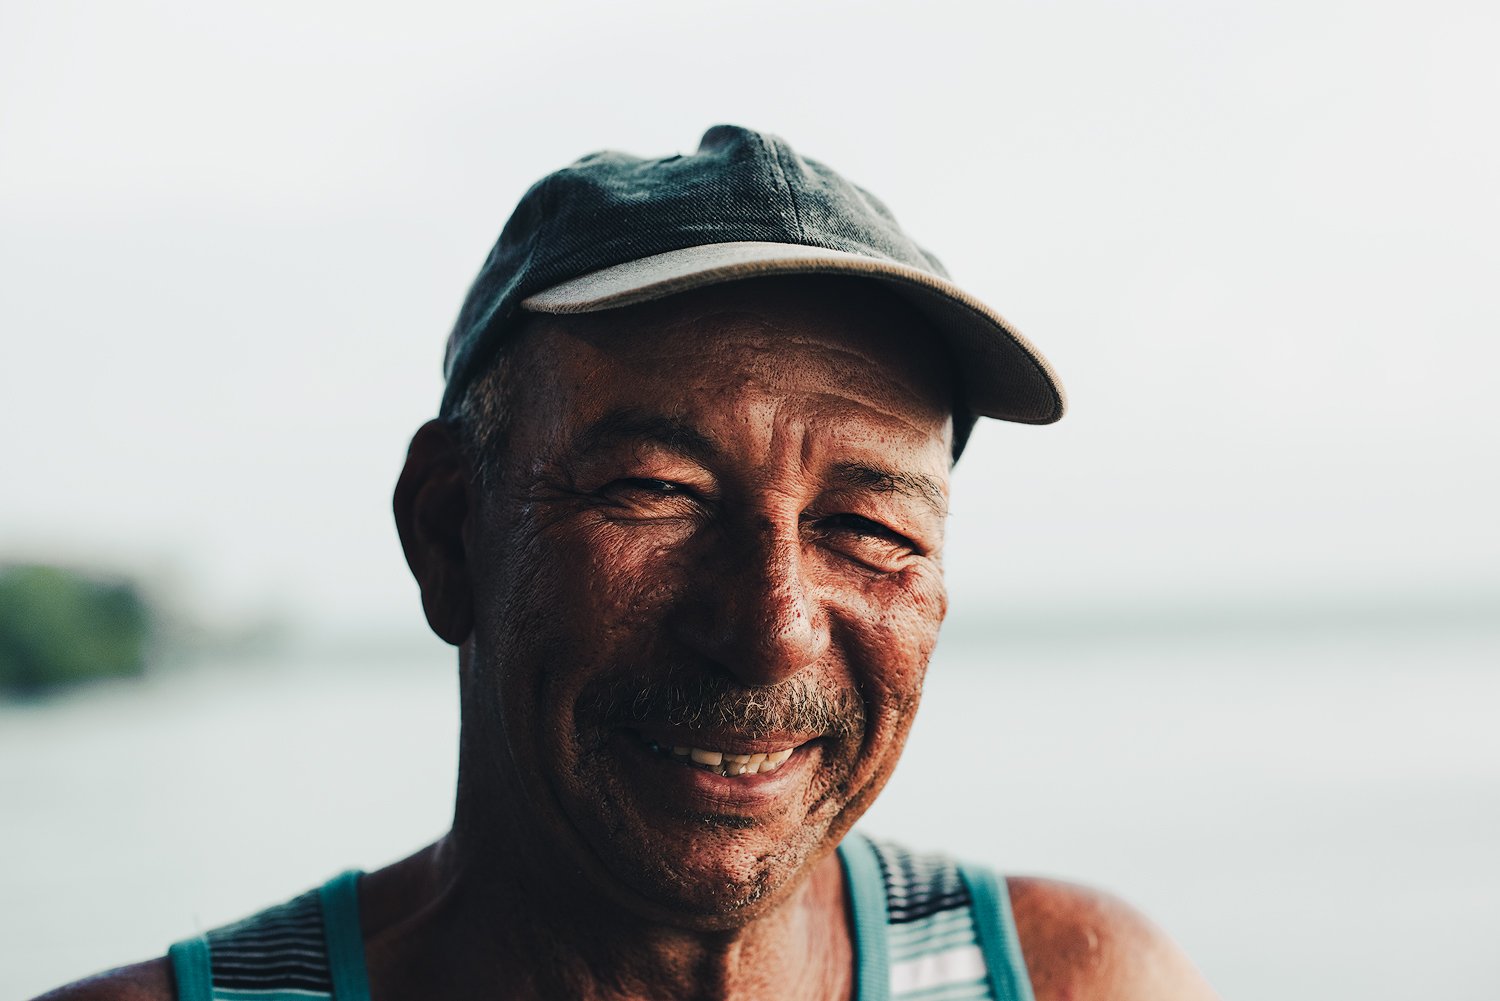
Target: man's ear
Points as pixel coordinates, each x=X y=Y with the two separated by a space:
x=431 y=504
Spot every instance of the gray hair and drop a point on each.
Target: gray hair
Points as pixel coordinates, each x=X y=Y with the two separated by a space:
x=482 y=416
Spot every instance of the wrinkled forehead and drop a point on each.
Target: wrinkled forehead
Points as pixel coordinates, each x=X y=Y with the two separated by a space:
x=842 y=338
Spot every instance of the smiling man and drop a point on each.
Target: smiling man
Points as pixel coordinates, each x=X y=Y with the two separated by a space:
x=682 y=515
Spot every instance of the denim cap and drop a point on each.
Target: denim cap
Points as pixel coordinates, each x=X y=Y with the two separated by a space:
x=614 y=230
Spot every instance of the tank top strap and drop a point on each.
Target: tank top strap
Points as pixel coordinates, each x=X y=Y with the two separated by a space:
x=308 y=949
x=867 y=906
x=190 y=969
x=995 y=923
x=345 y=942
x=925 y=926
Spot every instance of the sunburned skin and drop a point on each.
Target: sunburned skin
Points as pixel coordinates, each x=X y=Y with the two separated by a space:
x=722 y=489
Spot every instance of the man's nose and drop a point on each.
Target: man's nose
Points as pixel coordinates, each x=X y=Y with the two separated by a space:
x=759 y=616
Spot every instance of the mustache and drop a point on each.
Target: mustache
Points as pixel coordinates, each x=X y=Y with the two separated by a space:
x=704 y=701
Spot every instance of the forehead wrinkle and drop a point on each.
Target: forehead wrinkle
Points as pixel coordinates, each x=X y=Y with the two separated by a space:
x=867 y=355
x=884 y=387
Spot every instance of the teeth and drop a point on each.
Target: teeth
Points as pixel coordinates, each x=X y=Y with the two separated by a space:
x=725 y=762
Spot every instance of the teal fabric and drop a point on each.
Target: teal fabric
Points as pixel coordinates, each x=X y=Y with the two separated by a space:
x=996 y=925
x=872 y=972
x=346 y=945
x=191 y=970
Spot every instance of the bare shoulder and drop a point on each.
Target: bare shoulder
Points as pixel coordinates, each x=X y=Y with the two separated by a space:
x=148 y=981
x=1081 y=943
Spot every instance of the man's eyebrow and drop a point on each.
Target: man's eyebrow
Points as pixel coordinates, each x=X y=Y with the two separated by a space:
x=629 y=425
x=914 y=485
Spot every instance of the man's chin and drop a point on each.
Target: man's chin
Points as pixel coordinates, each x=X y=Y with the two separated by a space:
x=695 y=847
x=720 y=879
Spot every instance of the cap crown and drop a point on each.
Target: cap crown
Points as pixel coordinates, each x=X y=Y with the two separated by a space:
x=609 y=208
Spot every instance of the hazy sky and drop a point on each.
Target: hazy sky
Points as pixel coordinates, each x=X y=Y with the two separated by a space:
x=1257 y=241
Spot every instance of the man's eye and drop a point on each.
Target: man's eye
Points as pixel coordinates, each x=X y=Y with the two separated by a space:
x=866 y=528
x=661 y=487
x=645 y=492
x=866 y=542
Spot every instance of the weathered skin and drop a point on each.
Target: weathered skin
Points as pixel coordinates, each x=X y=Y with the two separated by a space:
x=746 y=483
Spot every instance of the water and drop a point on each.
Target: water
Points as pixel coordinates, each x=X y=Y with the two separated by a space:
x=1310 y=815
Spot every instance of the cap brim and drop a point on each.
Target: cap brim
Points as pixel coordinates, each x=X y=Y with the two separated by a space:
x=1003 y=375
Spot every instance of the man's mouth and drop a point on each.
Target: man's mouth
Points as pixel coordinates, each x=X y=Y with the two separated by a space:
x=721 y=762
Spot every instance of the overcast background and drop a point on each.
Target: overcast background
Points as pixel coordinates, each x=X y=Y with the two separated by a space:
x=1258 y=241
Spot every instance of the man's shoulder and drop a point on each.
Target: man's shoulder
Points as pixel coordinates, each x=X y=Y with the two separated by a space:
x=148 y=981
x=1080 y=942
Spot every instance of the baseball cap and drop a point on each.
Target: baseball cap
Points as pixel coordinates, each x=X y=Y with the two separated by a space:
x=613 y=230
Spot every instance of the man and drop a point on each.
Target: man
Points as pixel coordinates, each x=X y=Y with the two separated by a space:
x=682 y=515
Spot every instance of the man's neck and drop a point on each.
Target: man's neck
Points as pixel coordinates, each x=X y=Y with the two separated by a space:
x=442 y=925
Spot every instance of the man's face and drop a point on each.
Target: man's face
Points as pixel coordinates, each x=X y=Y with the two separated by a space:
x=715 y=534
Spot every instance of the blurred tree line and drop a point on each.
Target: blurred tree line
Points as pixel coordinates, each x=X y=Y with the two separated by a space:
x=60 y=627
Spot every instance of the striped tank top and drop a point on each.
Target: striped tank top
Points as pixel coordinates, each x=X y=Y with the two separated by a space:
x=925 y=928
